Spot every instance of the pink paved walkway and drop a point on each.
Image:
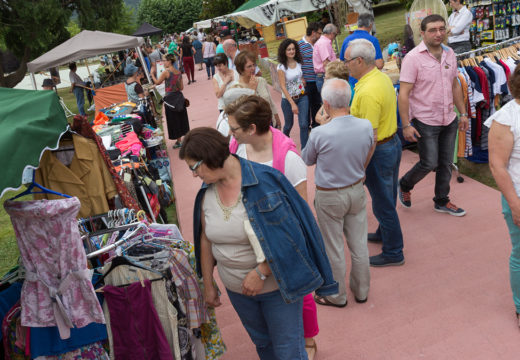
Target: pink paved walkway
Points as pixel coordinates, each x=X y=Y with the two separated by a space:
x=451 y=300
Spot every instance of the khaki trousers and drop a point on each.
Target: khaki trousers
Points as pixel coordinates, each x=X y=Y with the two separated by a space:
x=343 y=212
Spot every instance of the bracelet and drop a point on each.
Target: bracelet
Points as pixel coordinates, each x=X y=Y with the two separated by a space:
x=262 y=276
x=407 y=126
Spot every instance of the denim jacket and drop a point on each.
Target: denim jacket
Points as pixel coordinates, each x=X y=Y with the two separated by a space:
x=286 y=229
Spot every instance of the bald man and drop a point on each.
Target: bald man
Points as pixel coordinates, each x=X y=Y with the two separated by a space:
x=231 y=51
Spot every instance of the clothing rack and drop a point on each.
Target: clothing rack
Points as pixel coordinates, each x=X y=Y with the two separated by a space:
x=485 y=48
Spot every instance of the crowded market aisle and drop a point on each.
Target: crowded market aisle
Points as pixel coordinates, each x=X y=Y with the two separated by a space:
x=451 y=300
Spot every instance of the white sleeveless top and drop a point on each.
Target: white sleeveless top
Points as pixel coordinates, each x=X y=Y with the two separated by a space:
x=509 y=115
x=217 y=77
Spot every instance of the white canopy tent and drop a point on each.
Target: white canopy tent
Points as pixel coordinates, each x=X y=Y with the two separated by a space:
x=274 y=10
x=84 y=45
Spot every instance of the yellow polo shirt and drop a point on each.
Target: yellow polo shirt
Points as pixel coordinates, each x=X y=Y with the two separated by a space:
x=375 y=100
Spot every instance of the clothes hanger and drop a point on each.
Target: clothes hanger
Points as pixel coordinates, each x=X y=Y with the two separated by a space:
x=44 y=190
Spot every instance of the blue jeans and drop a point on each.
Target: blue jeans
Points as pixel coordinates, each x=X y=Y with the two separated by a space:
x=514 y=258
x=275 y=327
x=382 y=181
x=209 y=64
x=314 y=101
x=303 y=118
x=319 y=83
x=80 y=99
x=436 y=148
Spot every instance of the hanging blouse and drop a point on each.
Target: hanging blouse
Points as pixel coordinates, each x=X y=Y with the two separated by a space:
x=57 y=290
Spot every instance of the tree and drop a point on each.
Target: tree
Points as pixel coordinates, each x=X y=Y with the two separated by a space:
x=127 y=24
x=29 y=28
x=169 y=15
x=214 y=8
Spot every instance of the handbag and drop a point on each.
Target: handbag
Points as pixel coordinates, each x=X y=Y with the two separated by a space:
x=186 y=103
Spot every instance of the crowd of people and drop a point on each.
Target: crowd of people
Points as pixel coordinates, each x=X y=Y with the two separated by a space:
x=346 y=110
x=252 y=220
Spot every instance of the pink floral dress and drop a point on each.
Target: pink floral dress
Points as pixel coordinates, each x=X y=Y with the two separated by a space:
x=57 y=290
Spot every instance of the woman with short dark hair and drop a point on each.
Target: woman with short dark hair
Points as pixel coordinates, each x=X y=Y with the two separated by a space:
x=262 y=236
x=223 y=79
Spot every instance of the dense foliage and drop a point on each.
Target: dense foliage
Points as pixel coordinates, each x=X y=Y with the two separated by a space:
x=170 y=15
x=29 y=28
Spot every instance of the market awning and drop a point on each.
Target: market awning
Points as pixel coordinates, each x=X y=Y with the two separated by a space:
x=268 y=12
x=31 y=121
x=147 y=30
x=250 y=4
x=84 y=45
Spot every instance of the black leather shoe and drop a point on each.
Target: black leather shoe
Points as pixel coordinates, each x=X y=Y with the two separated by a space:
x=372 y=237
x=380 y=260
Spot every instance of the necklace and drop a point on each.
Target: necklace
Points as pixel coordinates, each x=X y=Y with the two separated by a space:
x=227 y=210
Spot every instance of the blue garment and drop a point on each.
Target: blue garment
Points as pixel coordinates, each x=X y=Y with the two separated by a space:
x=47 y=341
x=359 y=34
x=8 y=298
x=80 y=99
x=276 y=328
x=514 y=258
x=303 y=118
x=319 y=83
x=286 y=229
x=382 y=181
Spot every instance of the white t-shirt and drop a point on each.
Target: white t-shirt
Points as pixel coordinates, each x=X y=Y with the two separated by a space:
x=217 y=77
x=509 y=115
x=293 y=78
x=295 y=168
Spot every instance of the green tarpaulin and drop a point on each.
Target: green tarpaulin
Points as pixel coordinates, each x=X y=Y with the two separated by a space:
x=30 y=122
x=250 y=4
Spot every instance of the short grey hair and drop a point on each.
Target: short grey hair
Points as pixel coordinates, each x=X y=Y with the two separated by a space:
x=330 y=28
x=365 y=20
x=337 y=93
x=364 y=49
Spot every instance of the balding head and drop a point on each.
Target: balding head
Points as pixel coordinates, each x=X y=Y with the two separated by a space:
x=230 y=47
x=336 y=93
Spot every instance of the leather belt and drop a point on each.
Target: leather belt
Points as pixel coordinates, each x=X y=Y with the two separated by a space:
x=385 y=140
x=320 y=74
x=339 y=188
x=297 y=96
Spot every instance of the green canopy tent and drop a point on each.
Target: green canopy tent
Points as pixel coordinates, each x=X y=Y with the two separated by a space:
x=30 y=123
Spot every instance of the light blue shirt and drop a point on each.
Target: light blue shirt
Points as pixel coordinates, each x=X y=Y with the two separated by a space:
x=339 y=149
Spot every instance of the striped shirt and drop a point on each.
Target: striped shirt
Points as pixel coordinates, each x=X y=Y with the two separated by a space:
x=307 y=66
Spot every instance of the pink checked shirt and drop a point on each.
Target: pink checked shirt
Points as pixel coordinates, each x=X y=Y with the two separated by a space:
x=431 y=99
x=321 y=52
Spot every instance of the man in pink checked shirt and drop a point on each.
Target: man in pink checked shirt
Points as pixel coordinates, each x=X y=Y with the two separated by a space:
x=322 y=54
x=429 y=88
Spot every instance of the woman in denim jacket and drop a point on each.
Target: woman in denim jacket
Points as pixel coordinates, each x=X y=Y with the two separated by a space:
x=240 y=201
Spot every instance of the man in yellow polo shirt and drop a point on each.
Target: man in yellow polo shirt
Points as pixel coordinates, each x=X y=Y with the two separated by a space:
x=376 y=101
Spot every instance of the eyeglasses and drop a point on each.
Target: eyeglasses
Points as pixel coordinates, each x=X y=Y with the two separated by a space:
x=233 y=130
x=196 y=165
x=349 y=60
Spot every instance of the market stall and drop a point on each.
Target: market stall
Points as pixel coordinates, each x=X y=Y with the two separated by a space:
x=85 y=233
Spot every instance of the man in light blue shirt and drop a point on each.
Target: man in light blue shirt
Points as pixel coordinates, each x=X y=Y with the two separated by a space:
x=341 y=150
x=365 y=24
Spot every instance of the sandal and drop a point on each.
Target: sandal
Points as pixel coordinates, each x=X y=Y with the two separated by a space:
x=177 y=145
x=320 y=300
x=311 y=350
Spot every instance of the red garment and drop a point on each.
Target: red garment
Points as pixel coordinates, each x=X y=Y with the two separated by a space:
x=506 y=69
x=189 y=67
x=484 y=84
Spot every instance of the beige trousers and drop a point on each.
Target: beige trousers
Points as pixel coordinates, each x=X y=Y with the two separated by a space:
x=343 y=212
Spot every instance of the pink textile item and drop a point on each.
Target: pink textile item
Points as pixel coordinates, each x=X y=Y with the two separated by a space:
x=322 y=51
x=57 y=290
x=310 y=317
x=130 y=141
x=281 y=144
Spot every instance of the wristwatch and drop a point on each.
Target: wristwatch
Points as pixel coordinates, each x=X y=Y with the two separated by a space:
x=465 y=115
x=262 y=276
